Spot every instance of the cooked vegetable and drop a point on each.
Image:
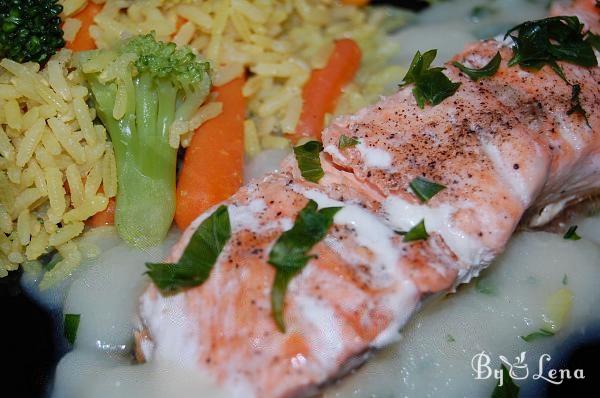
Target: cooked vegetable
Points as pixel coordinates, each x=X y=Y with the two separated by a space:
x=346 y=142
x=487 y=70
x=425 y=189
x=83 y=41
x=290 y=254
x=431 y=85
x=541 y=333
x=483 y=286
x=483 y=10
x=198 y=258
x=558 y=306
x=309 y=163
x=576 y=104
x=30 y=30
x=506 y=389
x=418 y=232
x=213 y=164
x=571 y=233
x=145 y=88
x=105 y=217
x=358 y=3
x=593 y=40
x=547 y=41
x=323 y=89
x=70 y=327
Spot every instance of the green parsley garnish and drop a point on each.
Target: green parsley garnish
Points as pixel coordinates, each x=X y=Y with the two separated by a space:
x=198 y=258
x=482 y=10
x=483 y=286
x=309 y=163
x=576 y=104
x=488 y=70
x=508 y=389
x=571 y=233
x=425 y=189
x=56 y=258
x=547 y=41
x=537 y=335
x=345 y=142
x=450 y=338
x=71 y=325
x=431 y=85
x=417 y=232
x=593 y=40
x=565 y=280
x=290 y=254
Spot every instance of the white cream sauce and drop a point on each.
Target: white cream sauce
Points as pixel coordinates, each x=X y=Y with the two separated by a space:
x=404 y=216
x=105 y=291
x=376 y=158
x=434 y=356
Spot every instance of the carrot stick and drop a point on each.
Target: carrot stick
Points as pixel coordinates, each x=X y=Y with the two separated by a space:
x=358 y=3
x=83 y=41
x=103 y=218
x=213 y=163
x=324 y=87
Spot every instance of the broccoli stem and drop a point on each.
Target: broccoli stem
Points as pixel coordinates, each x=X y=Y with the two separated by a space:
x=146 y=162
x=149 y=166
x=162 y=85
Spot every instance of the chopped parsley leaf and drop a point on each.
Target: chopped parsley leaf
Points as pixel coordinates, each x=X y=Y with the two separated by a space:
x=418 y=232
x=487 y=70
x=290 y=254
x=549 y=40
x=542 y=333
x=571 y=233
x=483 y=286
x=346 y=142
x=593 y=40
x=425 y=189
x=198 y=258
x=508 y=389
x=71 y=324
x=482 y=10
x=309 y=163
x=431 y=85
x=565 y=280
x=576 y=104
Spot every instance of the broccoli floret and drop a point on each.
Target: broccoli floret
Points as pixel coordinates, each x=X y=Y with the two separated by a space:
x=30 y=30
x=139 y=90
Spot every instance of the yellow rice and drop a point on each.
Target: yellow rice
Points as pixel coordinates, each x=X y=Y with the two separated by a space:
x=48 y=142
x=48 y=139
x=278 y=41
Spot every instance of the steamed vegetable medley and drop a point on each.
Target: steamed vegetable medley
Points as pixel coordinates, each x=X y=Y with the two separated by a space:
x=98 y=98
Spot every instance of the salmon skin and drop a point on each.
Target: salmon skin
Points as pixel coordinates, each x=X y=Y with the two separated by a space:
x=500 y=146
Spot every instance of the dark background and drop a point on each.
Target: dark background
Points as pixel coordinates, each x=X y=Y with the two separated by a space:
x=30 y=346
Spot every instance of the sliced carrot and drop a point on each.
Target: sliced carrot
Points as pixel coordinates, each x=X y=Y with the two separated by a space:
x=324 y=87
x=358 y=3
x=105 y=217
x=213 y=163
x=180 y=22
x=83 y=41
x=100 y=219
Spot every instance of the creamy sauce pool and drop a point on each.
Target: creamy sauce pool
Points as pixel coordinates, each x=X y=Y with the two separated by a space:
x=434 y=355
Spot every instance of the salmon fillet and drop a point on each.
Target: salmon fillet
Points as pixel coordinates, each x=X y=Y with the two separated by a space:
x=501 y=146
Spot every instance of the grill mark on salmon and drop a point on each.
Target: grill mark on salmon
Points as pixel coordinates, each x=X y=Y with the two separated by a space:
x=500 y=146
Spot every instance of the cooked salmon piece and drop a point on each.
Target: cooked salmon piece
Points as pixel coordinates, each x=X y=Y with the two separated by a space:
x=355 y=295
x=499 y=146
